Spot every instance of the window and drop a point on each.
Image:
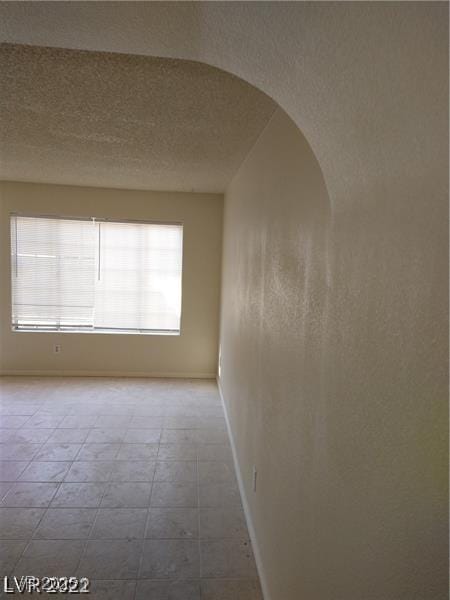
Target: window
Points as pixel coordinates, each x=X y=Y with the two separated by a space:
x=95 y=275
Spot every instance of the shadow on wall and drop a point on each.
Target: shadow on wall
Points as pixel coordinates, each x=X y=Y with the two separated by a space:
x=324 y=382
x=274 y=321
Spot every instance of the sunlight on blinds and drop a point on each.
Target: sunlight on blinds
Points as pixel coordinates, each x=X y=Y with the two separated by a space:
x=95 y=275
x=139 y=285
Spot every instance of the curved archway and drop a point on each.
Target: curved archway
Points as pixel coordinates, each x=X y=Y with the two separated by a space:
x=344 y=97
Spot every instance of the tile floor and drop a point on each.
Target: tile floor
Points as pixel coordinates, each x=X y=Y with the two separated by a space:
x=128 y=482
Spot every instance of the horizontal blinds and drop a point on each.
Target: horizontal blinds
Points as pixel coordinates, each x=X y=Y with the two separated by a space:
x=139 y=285
x=53 y=262
x=78 y=274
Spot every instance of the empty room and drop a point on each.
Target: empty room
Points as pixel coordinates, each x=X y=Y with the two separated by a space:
x=224 y=300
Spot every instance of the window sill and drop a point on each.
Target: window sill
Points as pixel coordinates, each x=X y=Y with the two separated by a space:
x=98 y=331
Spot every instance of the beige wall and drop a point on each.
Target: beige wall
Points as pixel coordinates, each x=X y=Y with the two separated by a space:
x=193 y=353
x=333 y=370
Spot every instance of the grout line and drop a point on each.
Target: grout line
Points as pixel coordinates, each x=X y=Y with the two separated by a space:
x=155 y=462
x=83 y=552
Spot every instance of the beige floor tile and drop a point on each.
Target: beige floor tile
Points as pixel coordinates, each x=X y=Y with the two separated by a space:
x=119 y=523
x=179 y=523
x=19 y=523
x=174 y=495
x=227 y=559
x=65 y=524
x=222 y=523
x=42 y=557
x=170 y=559
x=111 y=559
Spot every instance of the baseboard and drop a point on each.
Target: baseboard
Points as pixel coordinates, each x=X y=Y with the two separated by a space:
x=149 y=374
x=245 y=505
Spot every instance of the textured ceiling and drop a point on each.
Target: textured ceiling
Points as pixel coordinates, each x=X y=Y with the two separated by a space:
x=118 y=120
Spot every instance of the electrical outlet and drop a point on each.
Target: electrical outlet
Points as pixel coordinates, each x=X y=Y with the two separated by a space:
x=255 y=473
x=57 y=349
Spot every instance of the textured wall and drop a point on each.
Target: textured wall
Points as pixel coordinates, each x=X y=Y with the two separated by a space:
x=329 y=392
x=193 y=353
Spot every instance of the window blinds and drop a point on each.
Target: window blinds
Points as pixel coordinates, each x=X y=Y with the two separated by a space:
x=70 y=274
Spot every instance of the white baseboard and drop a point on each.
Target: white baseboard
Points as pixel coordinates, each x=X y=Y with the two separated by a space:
x=148 y=374
x=245 y=504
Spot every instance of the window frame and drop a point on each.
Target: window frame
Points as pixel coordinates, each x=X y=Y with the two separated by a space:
x=86 y=329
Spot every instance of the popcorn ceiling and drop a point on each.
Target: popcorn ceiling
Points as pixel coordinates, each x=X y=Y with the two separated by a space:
x=118 y=120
